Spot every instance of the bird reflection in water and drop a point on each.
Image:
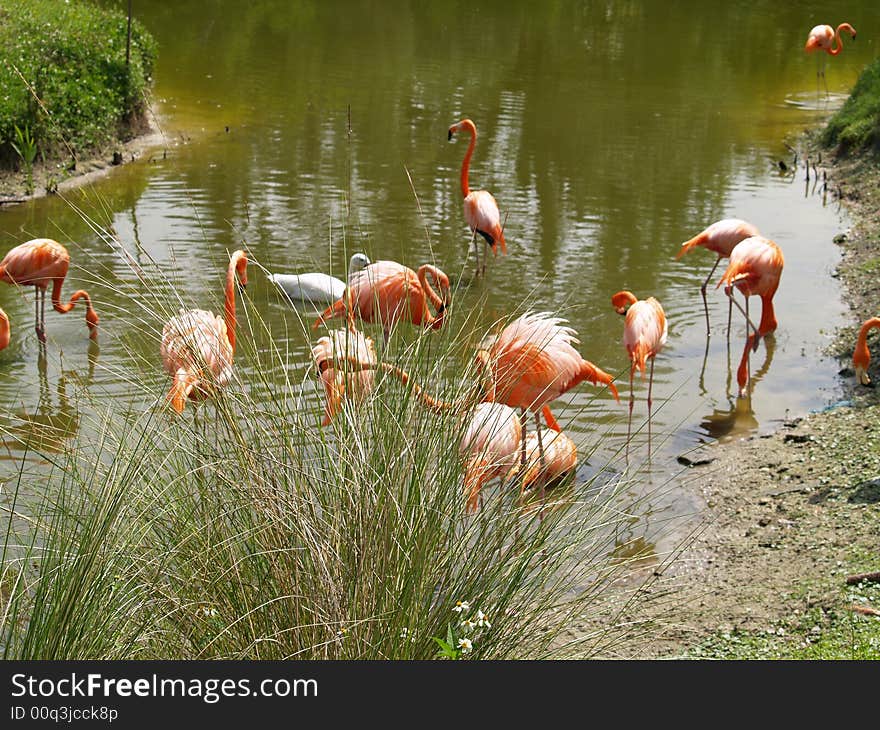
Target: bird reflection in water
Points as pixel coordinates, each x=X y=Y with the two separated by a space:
x=50 y=425
x=739 y=418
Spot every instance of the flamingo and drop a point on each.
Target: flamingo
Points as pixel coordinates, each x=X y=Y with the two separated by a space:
x=332 y=353
x=560 y=460
x=822 y=38
x=489 y=446
x=39 y=262
x=317 y=287
x=862 y=356
x=720 y=237
x=198 y=346
x=480 y=209
x=755 y=268
x=531 y=363
x=644 y=335
x=4 y=330
x=386 y=292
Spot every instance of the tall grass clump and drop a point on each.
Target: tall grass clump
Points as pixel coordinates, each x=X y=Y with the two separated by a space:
x=242 y=529
x=63 y=75
x=856 y=125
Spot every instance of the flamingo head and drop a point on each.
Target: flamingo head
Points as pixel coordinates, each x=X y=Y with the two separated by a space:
x=464 y=124
x=622 y=301
x=239 y=261
x=848 y=28
x=861 y=360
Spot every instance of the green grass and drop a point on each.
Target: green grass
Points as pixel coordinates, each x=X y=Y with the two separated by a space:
x=856 y=126
x=72 y=56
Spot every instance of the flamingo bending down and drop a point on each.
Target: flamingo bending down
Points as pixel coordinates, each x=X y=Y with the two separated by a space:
x=822 y=38
x=317 y=287
x=198 y=346
x=644 y=335
x=531 y=363
x=334 y=354
x=720 y=237
x=755 y=269
x=4 y=330
x=386 y=292
x=480 y=209
x=489 y=447
x=861 y=355
x=560 y=460
x=40 y=262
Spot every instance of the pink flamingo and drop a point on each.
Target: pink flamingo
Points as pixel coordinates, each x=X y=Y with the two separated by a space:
x=489 y=447
x=531 y=363
x=386 y=292
x=755 y=268
x=332 y=353
x=480 y=209
x=644 y=335
x=40 y=262
x=560 y=460
x=720 y=237
x=822 y=38
x=862 y=356
x=198 y=346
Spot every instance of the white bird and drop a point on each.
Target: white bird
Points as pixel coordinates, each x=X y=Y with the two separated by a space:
x=316 y=287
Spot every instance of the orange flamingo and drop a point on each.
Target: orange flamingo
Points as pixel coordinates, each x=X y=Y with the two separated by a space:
x=861 y=355
x=489 y=447
x=531 y=363
x=644 y=335
x=755 y=269
x=332 y=354
x=720 y=237
x=480 y=209
x=822 y=38
x=386 y=292
x=198 y=346
x=40 y=262
x=560 y=460
x=4 y=330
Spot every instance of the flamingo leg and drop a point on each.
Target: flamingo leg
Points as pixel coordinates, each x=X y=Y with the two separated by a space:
x=543 y=463
x=650 y=403
x=43 y=313
x=729 y=318
x=703 y=293
x=632 y=400
x=729 y=292
x=743 y=386
x=522 y=452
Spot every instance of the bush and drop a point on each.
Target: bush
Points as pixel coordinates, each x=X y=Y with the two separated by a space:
x=73 y=57
x=856 y=126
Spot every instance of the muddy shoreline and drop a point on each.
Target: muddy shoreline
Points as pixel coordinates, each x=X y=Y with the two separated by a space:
x=790 y=514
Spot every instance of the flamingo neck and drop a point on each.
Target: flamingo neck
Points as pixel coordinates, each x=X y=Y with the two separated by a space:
x=4 y=330
x=466 y=163
x=229 y=305
x=862 y=355
x=834 y=50
x=768 y=322
x=436 y=301
x=64 y=308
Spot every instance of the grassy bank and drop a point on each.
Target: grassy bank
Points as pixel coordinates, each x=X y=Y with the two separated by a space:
x=66 y=89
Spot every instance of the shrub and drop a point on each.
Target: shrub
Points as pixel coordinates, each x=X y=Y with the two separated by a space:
x=856 y=125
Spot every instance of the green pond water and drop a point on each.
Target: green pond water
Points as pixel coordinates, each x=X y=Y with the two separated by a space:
x=609 y=132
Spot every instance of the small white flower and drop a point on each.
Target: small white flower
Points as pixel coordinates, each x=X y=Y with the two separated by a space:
x=465 y=645
x=468 y=624
x=340 y=635
x=461 y=606
x=404 y=632
x=482 y=620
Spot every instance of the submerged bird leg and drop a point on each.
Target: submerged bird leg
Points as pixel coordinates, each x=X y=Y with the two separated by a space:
x=745 y=312
x=650 y=403
x=703 y=390
x=703 y=293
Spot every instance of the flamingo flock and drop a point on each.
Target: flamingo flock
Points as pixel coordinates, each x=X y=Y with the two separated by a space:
x=527 y=365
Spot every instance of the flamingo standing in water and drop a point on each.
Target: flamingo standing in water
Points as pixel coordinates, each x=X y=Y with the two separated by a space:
x=40 y=262
x=4 y=330
x=861 y=355
x=386 y=292
x=560 y=460
x=822 y=38
x=755 y=269
x=644 y=335
x=197 y=346
x=333 y=355
x=531 y=363
x=720 y=238
x=480 y=209
x=489 y=447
